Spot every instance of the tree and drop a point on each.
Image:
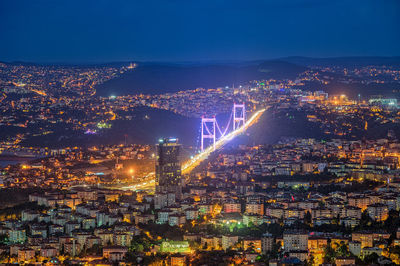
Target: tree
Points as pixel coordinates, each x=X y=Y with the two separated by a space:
x=371 y=259
x=263 y=259
x=274 y=253
x=251 y=247
x=308 y=218
x=329 y=254
x=342 y=250
x=95 y=250
x=365 y=221
x=336 y=220
x=3 y=239
x=392 y=221
x=4 y=257
x=310 y=261
x=394 y=254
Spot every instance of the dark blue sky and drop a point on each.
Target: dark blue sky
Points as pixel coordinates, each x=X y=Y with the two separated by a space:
x=190 y=30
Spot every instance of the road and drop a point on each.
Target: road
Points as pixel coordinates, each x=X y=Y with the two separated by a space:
x=189 y=165
x=3 y=98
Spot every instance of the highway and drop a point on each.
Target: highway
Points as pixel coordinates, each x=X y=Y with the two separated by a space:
x=189 y=165
x=147 y=184
x=3 y=98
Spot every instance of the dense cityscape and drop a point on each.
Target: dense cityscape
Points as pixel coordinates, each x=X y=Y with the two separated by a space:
x=333 y=199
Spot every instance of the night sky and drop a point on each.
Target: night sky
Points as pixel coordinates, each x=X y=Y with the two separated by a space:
x=186 y=30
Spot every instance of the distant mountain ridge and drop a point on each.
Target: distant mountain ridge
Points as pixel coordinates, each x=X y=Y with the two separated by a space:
x=349 y=61
x=156 y=79
x=165 y=77
x=299 y=60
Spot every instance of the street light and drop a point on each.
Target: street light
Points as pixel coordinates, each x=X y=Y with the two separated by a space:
x=131 y=172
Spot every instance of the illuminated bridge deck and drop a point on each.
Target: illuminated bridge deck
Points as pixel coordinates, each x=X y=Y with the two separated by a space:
x=191 y=164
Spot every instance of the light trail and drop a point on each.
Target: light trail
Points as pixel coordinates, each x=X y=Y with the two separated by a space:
x=189 y=165
x=41 y=93
x=4 y=97
x=147 y=184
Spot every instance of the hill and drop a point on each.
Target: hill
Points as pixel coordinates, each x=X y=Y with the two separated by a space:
x=349 y=61
x=146 y=127
x=157 y=79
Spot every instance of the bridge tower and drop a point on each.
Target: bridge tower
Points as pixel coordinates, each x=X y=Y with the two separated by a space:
x=239 y=116
x=208 y=133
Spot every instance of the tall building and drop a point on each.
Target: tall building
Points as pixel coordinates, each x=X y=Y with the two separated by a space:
x=168 y=168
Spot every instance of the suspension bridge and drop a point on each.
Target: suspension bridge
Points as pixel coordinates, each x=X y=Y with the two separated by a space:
x=210 y=130
x=213 y=134
x=210 y=127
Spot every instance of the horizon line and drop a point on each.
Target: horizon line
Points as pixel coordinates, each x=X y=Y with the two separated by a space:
x=216 y=61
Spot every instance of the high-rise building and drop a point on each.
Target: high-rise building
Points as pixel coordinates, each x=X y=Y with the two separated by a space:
x=168 y=168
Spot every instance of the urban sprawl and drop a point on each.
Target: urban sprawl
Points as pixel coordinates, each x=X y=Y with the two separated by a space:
x=333 y=200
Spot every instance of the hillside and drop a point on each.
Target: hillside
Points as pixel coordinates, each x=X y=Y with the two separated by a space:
x=156 y=79
x=146 y=127
x=350 y=61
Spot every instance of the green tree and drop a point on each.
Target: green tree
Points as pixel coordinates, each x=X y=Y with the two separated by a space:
x=310 y=261
x=308 y=218
x=343 y=250
x=371 y=259
x=329 y=254
x=3 y=239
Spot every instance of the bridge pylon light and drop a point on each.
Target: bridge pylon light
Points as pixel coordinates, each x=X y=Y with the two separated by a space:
x=239 y=116
x=207 y=133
